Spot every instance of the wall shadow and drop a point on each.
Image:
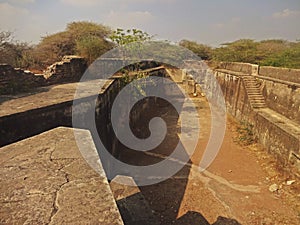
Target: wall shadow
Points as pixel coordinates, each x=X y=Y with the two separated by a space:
x=159 y=203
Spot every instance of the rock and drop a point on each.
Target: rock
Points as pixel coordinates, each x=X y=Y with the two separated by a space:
x=290 y=182
x=273 y=188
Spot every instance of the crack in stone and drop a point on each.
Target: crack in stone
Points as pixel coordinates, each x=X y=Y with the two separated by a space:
x=55 y=205
x=55 y=202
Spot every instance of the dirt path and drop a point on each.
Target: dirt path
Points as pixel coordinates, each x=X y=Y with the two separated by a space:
x=236 y=185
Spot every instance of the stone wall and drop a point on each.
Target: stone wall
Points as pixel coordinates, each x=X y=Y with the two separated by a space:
x=16 y=80
x=291 y=75
x=54 y=111
x=276 y=126
x=282 y=97
x=70 y=69
x=239 y=67
x=13 y=80
x=235 y=95
x=279 y=86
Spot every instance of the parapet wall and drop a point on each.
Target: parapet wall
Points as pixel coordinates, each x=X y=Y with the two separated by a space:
x=239 y=67
x=285 y=74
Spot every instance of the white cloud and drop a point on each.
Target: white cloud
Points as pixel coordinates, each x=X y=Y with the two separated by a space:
x=286 y=13
x=128 y=19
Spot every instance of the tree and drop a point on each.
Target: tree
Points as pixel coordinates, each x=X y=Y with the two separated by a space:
x=123 y=39
x=78 y=38
x=201 y=50
x=243 y=50
x=12 y=52
x=91 y=47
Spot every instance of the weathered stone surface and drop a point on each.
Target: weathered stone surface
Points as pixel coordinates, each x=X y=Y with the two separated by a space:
x=70 y=69
x=282 y=98
x=239 y=67
x=14 y=80
x=46 y=109
x=285 y=74
x=45 y=180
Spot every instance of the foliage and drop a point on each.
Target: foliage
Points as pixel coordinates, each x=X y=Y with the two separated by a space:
x=129 y=41
x=201 y=50
x=83 y=38
x=274 y=52
x=124 y=40
x=91 y=47
x=245 y=133
x=12 y=52
x=122 y=37
x=243 y=50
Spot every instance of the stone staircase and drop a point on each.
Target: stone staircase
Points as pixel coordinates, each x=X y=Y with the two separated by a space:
x=256 y=99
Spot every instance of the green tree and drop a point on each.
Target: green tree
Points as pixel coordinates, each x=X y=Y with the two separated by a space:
x=124 y=39
x=244 y=50
x=78 y=38
x=201 y=50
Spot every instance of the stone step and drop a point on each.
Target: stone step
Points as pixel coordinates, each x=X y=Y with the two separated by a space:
x=254 y=94
x=258 y=103
x=256 y=97
x=254 y=90
x=256 y=100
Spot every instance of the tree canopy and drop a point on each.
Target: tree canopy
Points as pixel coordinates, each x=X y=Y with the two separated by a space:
x=91 y=40
x=83 y=38
x=274 y=52
x=201 y=50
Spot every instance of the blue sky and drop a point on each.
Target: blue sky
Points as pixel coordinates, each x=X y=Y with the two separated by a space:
x=211 y=22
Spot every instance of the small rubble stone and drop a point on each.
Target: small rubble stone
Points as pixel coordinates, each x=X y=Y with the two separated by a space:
x=273 y=188
x=290 y=182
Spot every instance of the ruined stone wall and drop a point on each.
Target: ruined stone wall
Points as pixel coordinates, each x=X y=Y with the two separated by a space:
x=13 y=80
x=70 y=69
x=16 y=80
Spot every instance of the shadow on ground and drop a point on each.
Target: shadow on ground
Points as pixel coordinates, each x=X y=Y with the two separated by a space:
x=159 y=203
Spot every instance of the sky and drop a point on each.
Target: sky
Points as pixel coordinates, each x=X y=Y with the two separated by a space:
x=211 y=22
